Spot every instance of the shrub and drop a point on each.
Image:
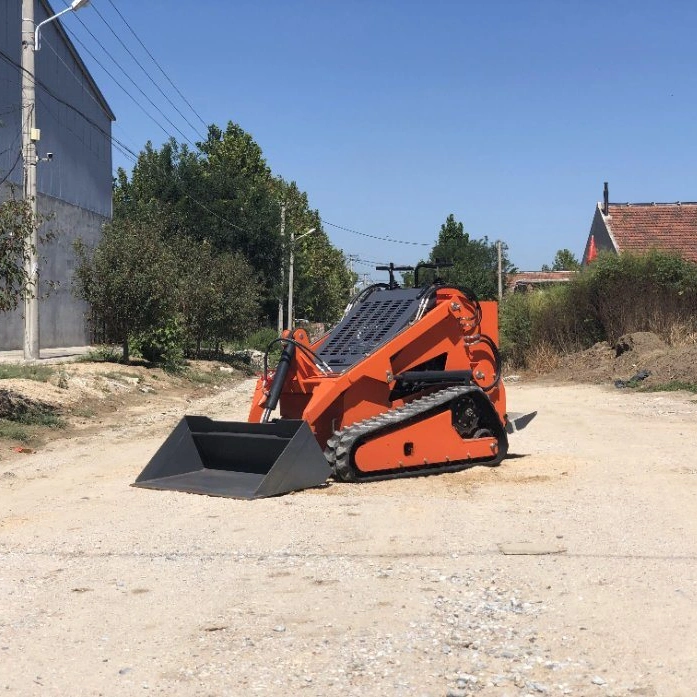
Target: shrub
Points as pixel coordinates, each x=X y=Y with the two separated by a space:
x=163 y=345
x=127 y=279
x=260 y=339
x=655 y=292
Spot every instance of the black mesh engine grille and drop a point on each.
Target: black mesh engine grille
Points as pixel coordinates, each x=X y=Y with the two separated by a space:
x=377 y=319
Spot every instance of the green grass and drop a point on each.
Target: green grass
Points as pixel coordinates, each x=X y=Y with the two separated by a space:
x=201 y=378
x=40 y=373
x=39 y=419
x=671 y=386
x=83 y=412
x=102 y=354
x=120 y=375
x=9 y=430
x=27 y=428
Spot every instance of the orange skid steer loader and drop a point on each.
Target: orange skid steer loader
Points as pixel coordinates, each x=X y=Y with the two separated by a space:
x=407 y=383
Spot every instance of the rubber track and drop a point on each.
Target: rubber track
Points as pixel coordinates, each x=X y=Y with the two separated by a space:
x=341 y=444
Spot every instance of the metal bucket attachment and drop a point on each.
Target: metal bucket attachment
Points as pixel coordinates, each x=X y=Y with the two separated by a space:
x=237 y=459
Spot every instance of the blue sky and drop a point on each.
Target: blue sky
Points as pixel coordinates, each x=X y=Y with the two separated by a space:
x=393 y=114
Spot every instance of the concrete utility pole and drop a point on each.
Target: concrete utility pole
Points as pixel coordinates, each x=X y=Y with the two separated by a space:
x=283 y=268
x=498 y=250
x=351 y=259
x=289 y=324
x=29 y=137
x=31 y=37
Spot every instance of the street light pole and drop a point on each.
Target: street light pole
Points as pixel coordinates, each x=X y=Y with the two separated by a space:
x=31 y=36
x=500 y=270
x=290 y=273
x=280 y=293
x=29 y=137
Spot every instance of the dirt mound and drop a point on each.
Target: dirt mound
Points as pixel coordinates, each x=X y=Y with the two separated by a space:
x=72 y=398
x=632 y=355
x=16 y=406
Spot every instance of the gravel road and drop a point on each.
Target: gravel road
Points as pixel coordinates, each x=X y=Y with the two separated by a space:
x=389 y=588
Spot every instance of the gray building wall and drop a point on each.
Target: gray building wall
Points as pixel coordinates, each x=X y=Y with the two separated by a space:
x=75 y=187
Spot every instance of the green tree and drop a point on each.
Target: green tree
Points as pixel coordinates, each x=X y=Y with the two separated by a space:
x=242 y=205
x=15 y=230
x=129 y=279
x=323 y=281
x=225 y=194
x=218 y=294
x=565 y=260
x=475 y=262
x=16 y=226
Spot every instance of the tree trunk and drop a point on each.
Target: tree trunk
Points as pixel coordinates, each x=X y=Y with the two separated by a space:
x=126 y=357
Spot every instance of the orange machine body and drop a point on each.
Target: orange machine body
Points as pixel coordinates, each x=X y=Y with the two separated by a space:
x=456 y=333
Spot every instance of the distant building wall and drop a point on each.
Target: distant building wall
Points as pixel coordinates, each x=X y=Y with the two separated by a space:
x=75 y=187
x=62 y=317
x=600 y=234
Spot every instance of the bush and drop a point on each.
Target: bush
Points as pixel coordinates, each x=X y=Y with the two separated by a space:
x=260 y=339
x=127 y=279
x=162 y=345
x=655 y=292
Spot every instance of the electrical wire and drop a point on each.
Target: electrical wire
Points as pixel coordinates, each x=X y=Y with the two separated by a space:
x=9 y=171
x=217 y=215
x=12 y=145
x=159 y=67
x=76 y=39
x=147 y=74
x=375 y=237
x=58 y=99
x=45 y=42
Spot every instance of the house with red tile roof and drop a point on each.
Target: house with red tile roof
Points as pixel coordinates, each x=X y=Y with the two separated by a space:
x=641 y=227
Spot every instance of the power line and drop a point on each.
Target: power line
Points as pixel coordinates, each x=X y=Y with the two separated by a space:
x=77 y=79
x=12 y=169
x=145 y=48
x=19 y=155
x=52 y=94
x=375 y=237
x=368 y=262
x=147 y=74
x=74 y=37
x=217 y=215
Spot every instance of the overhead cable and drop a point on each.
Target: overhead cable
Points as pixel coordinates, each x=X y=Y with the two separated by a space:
x=159 y=67
x=75 y=38
x=147 y=74
x=54 y=96
x=375 y=237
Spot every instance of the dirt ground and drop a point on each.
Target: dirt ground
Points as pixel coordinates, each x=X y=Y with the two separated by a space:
x=569 y=569
x=641 y=353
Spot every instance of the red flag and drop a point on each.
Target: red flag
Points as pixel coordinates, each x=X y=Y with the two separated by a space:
x=592 y=251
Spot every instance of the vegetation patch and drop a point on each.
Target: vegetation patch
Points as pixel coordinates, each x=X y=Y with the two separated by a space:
x=39 y=373
x=614 y=296
x=102 y=354
x=121 y=375
x=22 y=410
x=671 y=386
x=9 y=430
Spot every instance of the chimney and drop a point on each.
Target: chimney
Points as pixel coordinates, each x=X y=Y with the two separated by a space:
x=606 y=199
